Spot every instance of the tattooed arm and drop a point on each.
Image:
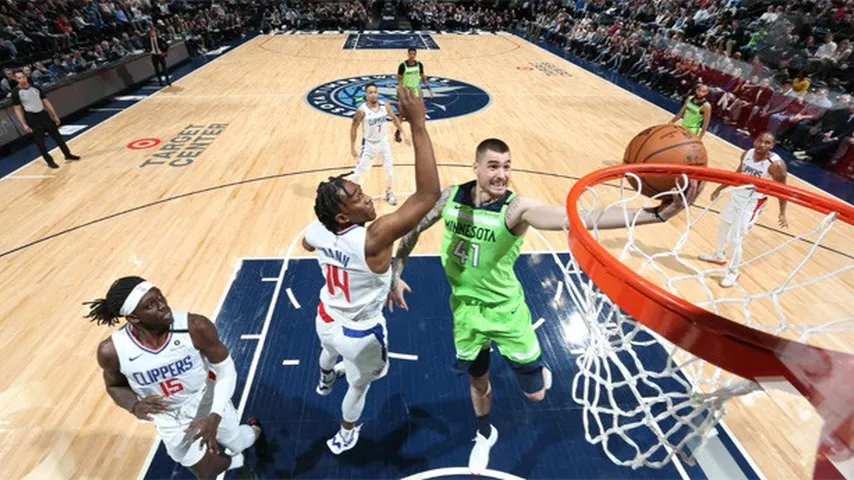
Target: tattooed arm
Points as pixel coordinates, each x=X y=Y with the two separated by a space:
x=523 y=212
x=407 y=243
x=405 y=247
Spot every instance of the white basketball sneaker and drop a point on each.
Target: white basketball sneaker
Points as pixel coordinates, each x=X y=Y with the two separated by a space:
x=479 y=458
x=713 y=258
x=729 y=278
x=324 y=386
x=344 y=440
x=390 y=198
x=547 y=378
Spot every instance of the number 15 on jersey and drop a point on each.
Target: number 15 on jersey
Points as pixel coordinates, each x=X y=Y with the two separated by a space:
x=461 y=251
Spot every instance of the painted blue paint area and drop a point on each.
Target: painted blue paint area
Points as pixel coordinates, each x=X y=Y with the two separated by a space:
x=419 y=417
x=24 y=151
x=815 y=175
x=390 y=41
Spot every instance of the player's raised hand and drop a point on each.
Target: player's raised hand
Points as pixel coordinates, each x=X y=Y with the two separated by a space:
x=672 y=205
x=411 y=106
x=205 y=429
x=395 y=295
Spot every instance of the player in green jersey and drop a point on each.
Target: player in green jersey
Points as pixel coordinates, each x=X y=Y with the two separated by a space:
x=410 y=73
x=696 y=112
x=485 y=224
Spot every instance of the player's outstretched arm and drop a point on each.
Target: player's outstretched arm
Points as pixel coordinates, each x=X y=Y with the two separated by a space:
x=779 y=172
x=523 y=212
x=407 y=243
x=119 y=389
x=354 y=130
x=721 y=187
x=383 y=232
x=680 y=113
x=206 y=339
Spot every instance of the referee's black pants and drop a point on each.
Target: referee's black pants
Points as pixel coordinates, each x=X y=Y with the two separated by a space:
x=41 y=123
x=159 y=62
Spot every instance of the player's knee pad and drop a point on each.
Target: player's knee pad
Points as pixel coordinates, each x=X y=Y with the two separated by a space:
x=480 y=365
x=476 y=368
x=529 y=375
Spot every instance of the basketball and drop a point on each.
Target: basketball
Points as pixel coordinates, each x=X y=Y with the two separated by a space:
x=671 y=144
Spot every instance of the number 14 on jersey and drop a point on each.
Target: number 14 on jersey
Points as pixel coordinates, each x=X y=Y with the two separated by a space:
x=461 y=252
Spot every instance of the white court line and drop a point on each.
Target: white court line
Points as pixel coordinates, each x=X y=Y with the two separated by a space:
x=156 y=443
x=558 y=293
x=676 y=462
x=253 y=367
x=290 y=363
x=250 y=336
x=293 y=298
x=539 y=323
x=270 y=279
x=30 y=177
x=403 y=356
x=460 y=471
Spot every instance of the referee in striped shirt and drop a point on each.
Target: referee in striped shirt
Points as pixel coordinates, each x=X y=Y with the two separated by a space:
x=36 y=114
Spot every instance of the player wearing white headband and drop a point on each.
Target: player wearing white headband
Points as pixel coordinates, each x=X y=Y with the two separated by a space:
x=170 y=368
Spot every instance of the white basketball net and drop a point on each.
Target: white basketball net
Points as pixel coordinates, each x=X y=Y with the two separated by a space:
x=645 y=400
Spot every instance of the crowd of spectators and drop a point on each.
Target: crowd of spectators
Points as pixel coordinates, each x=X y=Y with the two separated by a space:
x=461 y=16
x=51 y=40
x=785 y=68
x=306 y=15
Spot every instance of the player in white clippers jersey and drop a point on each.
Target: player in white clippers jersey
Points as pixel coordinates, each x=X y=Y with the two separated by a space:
x=743 y=209
x=355 y=260
x=373 y=116
x=171 y=368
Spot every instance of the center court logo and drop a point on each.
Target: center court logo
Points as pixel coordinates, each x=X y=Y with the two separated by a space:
x=452 y=98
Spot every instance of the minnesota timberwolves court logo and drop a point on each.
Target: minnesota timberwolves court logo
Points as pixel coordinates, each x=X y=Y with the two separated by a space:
x=451 y=98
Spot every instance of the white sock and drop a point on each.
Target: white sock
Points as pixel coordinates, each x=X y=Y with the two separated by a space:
x=327 y=360
x=354 y=403
x=723 y=238
x=236 y=462
x=244 y=437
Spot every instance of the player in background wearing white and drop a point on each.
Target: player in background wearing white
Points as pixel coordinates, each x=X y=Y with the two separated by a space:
x=372 y=115
x=743 y=209
x=170 y=368
x=355 y=260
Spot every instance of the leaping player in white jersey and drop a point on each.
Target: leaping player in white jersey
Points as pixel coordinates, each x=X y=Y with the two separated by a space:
x=355 y=260
x=373 y=116
x=170 y=368
x=743 y=209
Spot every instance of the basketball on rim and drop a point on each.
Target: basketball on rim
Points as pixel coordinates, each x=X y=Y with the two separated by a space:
x=670 y=144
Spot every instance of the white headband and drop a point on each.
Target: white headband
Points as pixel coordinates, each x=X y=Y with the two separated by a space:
x=135 y=296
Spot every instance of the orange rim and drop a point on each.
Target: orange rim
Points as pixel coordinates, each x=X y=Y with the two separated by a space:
x=822 y=376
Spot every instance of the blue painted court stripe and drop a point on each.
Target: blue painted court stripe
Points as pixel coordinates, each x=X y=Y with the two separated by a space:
x=736 y=453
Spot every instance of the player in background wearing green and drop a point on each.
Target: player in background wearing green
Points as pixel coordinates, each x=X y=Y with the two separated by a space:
x=696 y=112
x=485 y=225
x=410 y=73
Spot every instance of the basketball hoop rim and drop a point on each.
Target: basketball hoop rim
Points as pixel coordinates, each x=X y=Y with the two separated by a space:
x=709 y=336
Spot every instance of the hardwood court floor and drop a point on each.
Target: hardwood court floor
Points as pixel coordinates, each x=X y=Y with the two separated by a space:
x=251 y=191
